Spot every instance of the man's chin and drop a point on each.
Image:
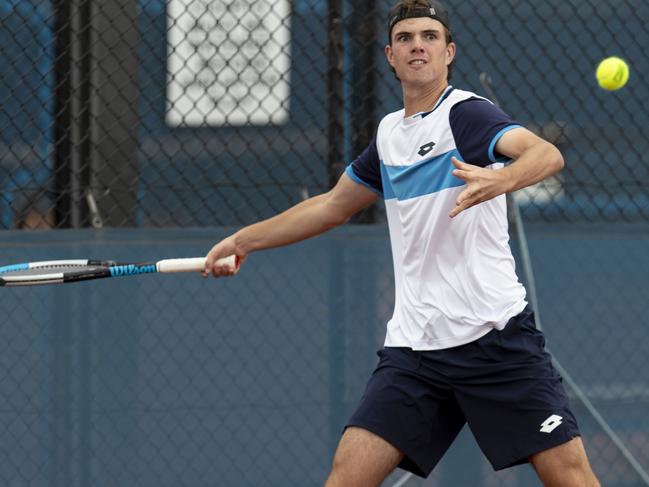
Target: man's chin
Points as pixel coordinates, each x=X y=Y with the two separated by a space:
x=417 y=81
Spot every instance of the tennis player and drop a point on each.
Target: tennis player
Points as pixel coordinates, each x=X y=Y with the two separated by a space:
x=461 y=345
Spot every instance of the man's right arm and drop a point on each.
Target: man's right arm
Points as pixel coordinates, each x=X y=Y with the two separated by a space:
x=309 y=218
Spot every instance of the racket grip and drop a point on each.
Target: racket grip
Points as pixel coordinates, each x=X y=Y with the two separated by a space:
x=194 y=264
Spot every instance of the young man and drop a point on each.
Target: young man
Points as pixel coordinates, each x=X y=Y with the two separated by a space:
x=461 y=345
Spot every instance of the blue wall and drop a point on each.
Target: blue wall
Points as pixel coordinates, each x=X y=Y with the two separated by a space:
x=174 y=379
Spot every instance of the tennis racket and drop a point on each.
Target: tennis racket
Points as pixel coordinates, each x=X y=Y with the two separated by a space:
x=63 y=271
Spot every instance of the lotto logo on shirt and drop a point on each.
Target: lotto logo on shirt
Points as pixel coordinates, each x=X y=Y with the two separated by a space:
x=426 y=148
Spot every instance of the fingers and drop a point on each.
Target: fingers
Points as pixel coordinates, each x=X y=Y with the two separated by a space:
x=461 y=166
x=458 y=209
x=221 y=270
x=218 y=268
x=458 y=163
x=462 y=203
x=476 y=189
x=461 y=170
x=472 y=195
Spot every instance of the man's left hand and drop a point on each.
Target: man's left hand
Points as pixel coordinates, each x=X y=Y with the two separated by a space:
x=481 y=185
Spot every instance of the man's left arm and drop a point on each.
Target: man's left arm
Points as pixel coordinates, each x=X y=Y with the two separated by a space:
x=534 y=159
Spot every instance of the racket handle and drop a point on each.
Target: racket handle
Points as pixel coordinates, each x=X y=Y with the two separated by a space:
x=194 y=264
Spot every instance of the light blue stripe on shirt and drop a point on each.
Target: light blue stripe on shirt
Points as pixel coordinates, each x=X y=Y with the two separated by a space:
x=388 y=192
x=425 y=177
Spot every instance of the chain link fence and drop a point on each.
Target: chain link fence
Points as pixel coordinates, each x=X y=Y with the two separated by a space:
x=140 y=128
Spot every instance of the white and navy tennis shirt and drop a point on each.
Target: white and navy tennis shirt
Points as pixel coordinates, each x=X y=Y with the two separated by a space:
x=454 y=277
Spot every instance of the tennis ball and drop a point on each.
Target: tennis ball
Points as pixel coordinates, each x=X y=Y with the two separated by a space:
x=612 y=73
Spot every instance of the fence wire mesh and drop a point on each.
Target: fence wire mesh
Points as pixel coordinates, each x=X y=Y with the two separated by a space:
x=149 y=118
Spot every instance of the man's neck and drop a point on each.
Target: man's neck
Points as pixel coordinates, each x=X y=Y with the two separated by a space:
x=416 y=100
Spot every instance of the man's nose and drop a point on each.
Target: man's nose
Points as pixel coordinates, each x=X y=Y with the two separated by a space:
x=417 y=44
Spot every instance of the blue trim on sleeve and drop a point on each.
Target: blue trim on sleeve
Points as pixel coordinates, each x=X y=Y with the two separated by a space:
x=367 y=167
x=352 y=175
x=494 y=141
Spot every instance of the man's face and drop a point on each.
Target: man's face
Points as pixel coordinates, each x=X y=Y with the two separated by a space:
x=419 y=54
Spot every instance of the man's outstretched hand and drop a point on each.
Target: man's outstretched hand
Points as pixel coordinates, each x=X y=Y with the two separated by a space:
x=481 y=185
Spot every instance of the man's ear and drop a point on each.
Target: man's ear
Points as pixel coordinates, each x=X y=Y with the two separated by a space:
x=451 y=49
x=388 y=54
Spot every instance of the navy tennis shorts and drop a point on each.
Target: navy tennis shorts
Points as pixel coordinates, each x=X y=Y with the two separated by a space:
x=503 y=385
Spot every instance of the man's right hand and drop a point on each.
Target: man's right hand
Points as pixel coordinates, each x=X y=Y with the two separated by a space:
x=224 y=248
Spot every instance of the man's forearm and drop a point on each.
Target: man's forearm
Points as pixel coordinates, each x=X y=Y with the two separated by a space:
x=535 y=164
x=306 y=219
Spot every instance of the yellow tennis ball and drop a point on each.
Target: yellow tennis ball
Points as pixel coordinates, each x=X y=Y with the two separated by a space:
x=612 y=73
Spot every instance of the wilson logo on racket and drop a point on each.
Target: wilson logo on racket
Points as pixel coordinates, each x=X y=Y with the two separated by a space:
x=131 y=270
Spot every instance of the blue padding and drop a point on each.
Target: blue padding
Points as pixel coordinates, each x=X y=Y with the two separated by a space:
x=14 y=267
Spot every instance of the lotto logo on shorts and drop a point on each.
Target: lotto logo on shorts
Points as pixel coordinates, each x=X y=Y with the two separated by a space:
x=549 y=425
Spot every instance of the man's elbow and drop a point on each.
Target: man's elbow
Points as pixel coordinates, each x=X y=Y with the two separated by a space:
x=555 y=160
x=335 y=211
x=337 y=219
